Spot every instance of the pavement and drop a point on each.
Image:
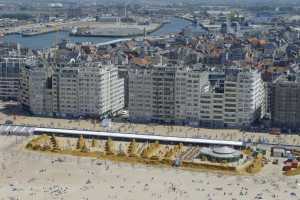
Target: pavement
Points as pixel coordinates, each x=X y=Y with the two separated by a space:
x=13 y=112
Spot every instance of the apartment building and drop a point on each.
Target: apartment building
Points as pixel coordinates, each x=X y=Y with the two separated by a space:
x=285 y=103
x=242 y=96
x=151 y=93
x=212 y=101
x=188 y=84
x=73 y=89
x=10 y=77
x=164 y=93
x=230 y=97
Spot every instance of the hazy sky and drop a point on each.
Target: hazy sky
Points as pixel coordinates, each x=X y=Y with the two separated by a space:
x=232 y=2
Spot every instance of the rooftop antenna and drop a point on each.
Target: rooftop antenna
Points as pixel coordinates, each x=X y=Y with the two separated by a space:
x=56 y=29
x=125 y=11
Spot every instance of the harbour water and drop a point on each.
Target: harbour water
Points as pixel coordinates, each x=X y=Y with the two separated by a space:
x=49 y=39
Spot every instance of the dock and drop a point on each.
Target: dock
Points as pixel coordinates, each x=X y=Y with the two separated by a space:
x=118 y=32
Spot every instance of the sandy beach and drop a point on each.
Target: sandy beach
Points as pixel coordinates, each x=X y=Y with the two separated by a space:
x=33 y=175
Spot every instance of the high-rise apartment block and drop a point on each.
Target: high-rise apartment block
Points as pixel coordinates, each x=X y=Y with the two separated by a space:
x=74 y=89
x=163 y=93
x=285 y=103
x=10 y=77
x=231 y=97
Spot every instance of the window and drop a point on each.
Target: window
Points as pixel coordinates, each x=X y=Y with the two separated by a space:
x=217 y=106
x=230 y=110
x=231 y=85
x=218 y=101
x=217 y=117
x=218 y=96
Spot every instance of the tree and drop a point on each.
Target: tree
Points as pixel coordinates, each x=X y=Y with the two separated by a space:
x=132 y=148
x=80 y=143
x=109 y=148
x=84 y=149
x=94 y=142
x=54 y=142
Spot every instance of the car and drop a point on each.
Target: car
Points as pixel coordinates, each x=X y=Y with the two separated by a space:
x=286 y=168
x=295 y=164
x=275 y=162
x=8 y=122
x=288 y=161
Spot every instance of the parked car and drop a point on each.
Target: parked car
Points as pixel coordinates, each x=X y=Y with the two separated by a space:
x=288 y=161
x=275 y=162
x=286 y=168
x=9 y=122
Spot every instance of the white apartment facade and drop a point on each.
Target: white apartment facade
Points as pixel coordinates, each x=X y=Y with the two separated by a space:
x=74 y=90
x=233 y=98
x=151 y=93
x=229 y=98
x=140 y=94
x=165 y=93
x=188 y=84
x=251 y=96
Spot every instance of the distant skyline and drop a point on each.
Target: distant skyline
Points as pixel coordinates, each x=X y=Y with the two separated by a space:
x=163 y=1
x=166 y=2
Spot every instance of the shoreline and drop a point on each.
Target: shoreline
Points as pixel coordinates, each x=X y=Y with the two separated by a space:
x=161 y=25
x=88 y=35
x=40 y=33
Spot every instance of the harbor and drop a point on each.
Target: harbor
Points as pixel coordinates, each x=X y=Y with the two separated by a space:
x=94 y=29
x=202 y=23
x=48 y=39
x=117 y=31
